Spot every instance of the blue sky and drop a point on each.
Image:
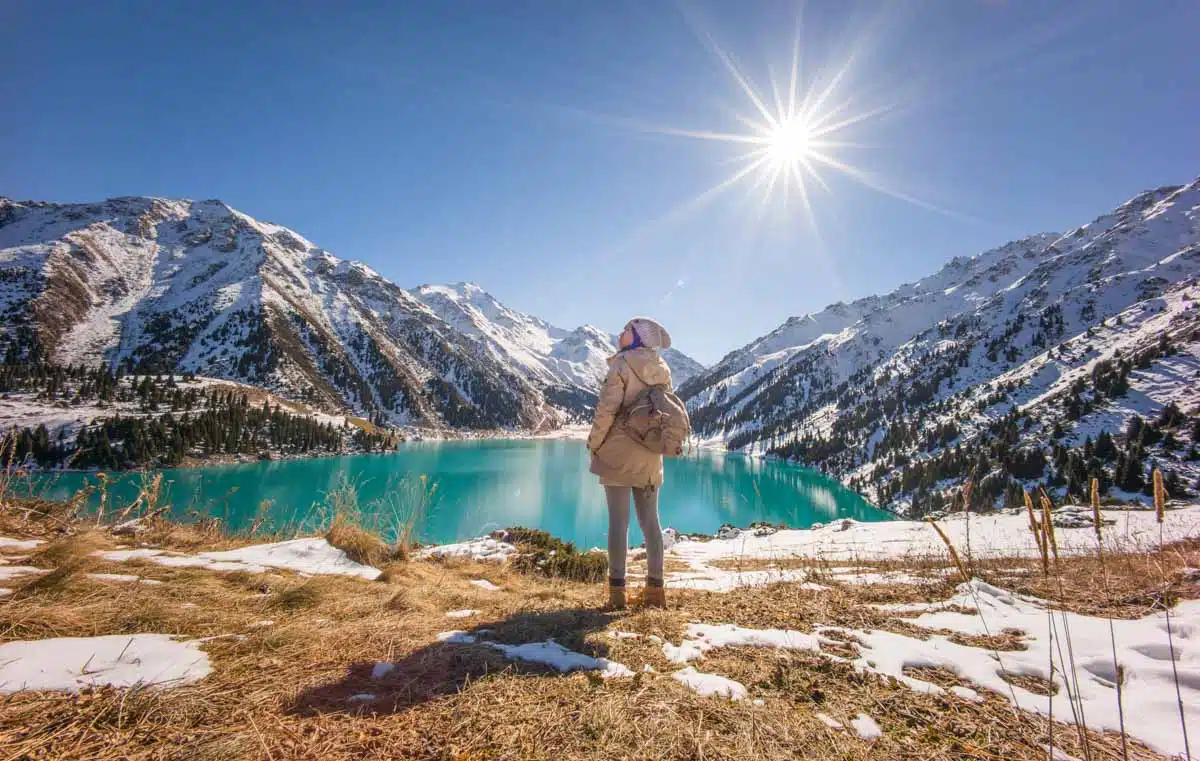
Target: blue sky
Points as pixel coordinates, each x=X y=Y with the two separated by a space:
x=513 y=143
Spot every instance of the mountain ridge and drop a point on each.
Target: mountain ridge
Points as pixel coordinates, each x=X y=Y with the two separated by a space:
x=871 y=390
x=167 y=285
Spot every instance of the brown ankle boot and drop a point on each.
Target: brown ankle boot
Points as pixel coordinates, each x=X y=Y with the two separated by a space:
x=655 y=596
x=616 y=594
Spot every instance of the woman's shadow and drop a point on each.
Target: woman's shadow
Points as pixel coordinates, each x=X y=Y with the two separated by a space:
x=446 y=667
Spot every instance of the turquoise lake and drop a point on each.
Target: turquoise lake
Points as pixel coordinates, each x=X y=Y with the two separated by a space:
x=486 y=485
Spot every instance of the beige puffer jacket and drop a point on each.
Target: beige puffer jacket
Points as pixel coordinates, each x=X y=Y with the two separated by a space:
x=616 y=458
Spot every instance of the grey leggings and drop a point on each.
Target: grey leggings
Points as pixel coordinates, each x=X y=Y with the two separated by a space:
x=645 y=501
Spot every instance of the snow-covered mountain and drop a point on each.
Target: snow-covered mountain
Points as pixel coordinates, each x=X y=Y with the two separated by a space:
x=165 y=285
x=558 y=359
x=1023 y=336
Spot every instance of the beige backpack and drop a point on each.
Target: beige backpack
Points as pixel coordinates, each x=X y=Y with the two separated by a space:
x=658 y=420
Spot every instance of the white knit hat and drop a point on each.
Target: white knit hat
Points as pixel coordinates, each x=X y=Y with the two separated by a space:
x=653 y=335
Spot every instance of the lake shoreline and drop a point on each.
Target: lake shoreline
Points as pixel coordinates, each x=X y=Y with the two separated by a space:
x=481 y=485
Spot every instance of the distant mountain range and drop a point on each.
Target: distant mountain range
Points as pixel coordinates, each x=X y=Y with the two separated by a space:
x=888 y=392
x=196 y=286
x=1035 y=362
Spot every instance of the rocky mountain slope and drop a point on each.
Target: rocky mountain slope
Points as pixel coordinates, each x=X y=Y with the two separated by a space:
x=1002 y=367
x=196 y=286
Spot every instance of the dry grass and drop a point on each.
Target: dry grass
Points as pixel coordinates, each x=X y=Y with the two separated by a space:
x=361 y=545
x=281 y=691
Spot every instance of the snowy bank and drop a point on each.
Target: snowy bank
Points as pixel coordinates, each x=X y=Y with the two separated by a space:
x=314 y=557
x=992 y=536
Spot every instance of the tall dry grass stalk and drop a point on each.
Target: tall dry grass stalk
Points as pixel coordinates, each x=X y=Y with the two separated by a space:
x=962 y=571
x=8 y=451
x=1048 y=524
x=967 y=510
x=1096 y=508
x=145 y=505
x=1160 y=496
x=102 y=477
x=1036 y=527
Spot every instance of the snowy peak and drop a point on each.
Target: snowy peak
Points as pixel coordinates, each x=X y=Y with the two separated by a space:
x=567 y=360
x=174 y=285
x=163 y=285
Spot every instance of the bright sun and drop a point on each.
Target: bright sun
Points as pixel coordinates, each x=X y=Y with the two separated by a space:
x=789 y=143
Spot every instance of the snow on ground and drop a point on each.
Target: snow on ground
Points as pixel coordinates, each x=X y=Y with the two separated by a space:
x=866 y=727
x=313 y=556
x=466 y=613
x=120 y=660
x=18 y=545
x=710 y=579
x=122 y=577
x=992 y=536
x=554 y=655
x=1143 y=650
x=700 y=638
x=548 y=653
x=485 y=585
x=710 y=684
x=8 y=572
x=483 y=549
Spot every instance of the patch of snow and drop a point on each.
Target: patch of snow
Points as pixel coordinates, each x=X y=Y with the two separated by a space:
x=313 y=556
x=261 y=624
x=483 y=549
x=624 y=635
x=485 y=585
x=18 y=544
x=966 y=693
x=866 y=727
x=122 y=577
x=380 y=670
x=456 y=637
x=709 y=579
x=710 y=684
x=119 y=660
x=465 y=613
x=700 y=638
x=12 y=571
x=560 y=658
x=362 y=697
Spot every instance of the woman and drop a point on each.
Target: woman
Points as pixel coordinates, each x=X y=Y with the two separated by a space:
x=625 y=467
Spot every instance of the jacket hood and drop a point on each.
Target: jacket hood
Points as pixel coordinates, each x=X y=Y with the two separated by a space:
x=648 y=365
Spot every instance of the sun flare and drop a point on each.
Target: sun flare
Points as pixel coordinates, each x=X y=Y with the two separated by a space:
x=789 y=143
x=794 y=132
